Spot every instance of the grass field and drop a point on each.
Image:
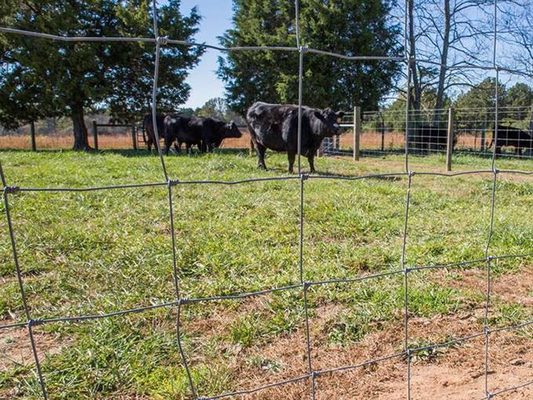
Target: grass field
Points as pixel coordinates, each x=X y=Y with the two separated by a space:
x=104 y=251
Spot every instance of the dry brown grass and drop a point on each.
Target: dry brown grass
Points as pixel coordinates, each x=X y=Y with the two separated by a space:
x=64 y=142
x=369 y=141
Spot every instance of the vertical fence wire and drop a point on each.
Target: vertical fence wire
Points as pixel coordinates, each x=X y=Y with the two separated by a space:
x=406 y=283
x=20 y=280
x=302 y=177
x=492 y=202
x=159 y=41
x=410 y=64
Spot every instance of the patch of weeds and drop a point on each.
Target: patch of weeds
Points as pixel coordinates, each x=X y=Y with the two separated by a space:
x=265 y=364
x=426 y=351
x=347 y=329
x=508 y=314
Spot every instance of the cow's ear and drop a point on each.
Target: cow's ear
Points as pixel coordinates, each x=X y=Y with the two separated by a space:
x=319 y=115
x=340 y=114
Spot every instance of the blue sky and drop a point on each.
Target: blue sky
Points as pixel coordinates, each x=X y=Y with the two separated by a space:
x=216 y=19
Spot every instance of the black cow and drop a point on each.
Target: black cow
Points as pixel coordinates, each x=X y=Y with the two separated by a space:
x=148 y=127
x=176 y=126
x=510 y=136
x=206 y=133
x=275 y=126
x=429 y=137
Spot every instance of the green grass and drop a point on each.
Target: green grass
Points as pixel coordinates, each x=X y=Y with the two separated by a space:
x=99 y=252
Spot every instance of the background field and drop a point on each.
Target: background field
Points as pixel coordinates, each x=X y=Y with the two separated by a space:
x=99 y=252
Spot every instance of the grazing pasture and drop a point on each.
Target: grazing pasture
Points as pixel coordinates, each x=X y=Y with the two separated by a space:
x=89 y=253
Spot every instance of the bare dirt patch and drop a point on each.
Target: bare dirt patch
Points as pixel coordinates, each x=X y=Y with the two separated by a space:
x=455 y=372
x=516 y=287
x=15 y=346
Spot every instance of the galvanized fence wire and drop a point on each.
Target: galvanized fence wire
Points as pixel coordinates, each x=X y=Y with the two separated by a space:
x=472 y=129
x=303 y=285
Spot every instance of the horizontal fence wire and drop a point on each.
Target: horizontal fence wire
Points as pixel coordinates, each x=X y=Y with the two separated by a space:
x=405 y=270
x=472 y=131
x=244 y=295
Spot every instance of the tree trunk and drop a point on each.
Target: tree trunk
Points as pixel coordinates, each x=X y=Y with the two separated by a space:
x=416 y=101
x=443 y=62
x=81 y=141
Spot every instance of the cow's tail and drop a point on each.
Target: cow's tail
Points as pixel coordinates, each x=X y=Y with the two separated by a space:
x=143 y=130
x=252 y=137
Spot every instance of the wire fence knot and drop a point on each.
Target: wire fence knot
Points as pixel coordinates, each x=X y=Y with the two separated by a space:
x=172 y=182
x=11 y=189
x=35 y=322
x=303 y=49
x=304 y=177
x=162 y=40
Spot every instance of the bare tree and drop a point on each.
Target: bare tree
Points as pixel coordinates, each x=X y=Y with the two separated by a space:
x=454 y=36
x=517 y=34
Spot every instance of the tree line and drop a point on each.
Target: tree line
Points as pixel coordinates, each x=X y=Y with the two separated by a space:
x=42 y=78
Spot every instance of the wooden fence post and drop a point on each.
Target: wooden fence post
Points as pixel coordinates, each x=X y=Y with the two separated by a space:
x=32 y=134
x=95 y=135
x=356 y=132
x=134 y=137
x=449 y=142
x=382 y=128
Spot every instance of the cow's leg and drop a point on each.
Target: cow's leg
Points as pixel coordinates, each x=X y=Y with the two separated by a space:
x=177 y=146
x=261 y=156
x=251 y=147
x=168 y=143
x=292 y=157
x=189 y=149
x=311 y=159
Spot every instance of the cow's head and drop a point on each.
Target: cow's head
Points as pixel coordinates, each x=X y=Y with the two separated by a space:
x=231 y=130
x=329 y=120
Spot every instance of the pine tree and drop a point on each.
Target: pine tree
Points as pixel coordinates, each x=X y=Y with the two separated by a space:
x=351 y=27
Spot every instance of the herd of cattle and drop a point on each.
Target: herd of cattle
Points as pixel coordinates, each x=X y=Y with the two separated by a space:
x=271 y=126
x=275 y=127
x=206 y=133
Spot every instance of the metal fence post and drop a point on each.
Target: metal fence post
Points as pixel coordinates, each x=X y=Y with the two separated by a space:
x=356 y=133
x=449 y=143
x=95 y=135
x=134 y=137
x=32 y=134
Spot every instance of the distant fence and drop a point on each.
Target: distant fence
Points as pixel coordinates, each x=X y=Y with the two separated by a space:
x=467 y=130
x=100 y=136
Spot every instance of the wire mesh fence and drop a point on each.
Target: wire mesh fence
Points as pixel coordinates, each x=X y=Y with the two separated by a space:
x=471 y=129
x=421 y=137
